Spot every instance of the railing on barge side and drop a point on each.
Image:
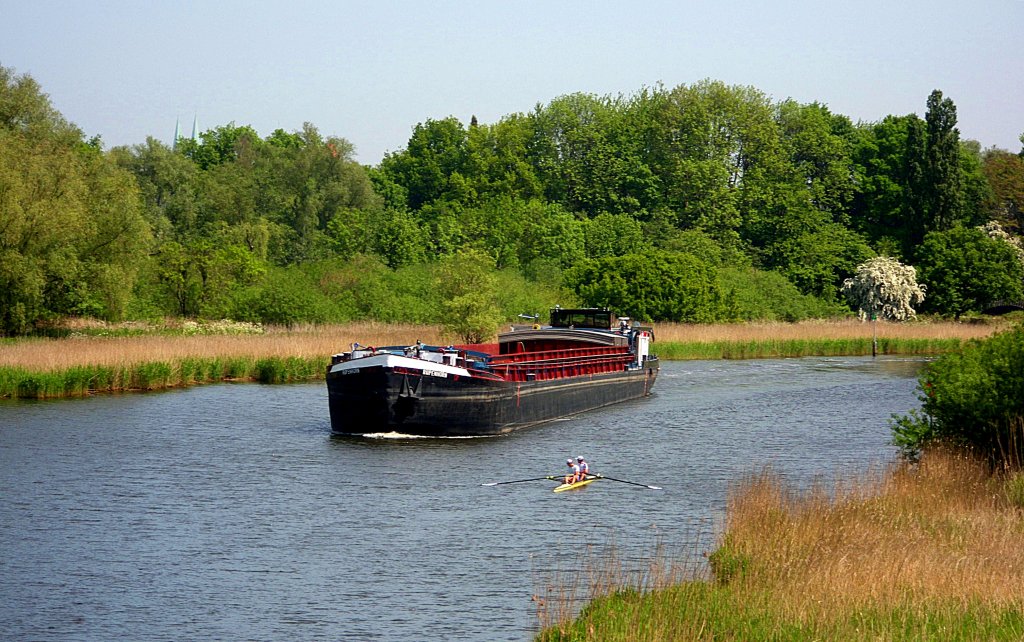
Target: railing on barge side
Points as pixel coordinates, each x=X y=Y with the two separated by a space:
x=536 y=371
x=541 y=356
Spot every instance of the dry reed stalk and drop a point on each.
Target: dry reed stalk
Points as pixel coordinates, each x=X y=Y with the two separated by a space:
x=601 y=571
x=810 y=330
x=937 y=533
x=47 y=355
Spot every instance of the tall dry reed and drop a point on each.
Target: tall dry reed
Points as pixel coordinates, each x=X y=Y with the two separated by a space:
x=938 y=532
x=908 y=552
x=820 y=329
x=599 y=571
x=48 y=355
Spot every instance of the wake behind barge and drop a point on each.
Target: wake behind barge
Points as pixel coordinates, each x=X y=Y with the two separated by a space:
x=584 y=359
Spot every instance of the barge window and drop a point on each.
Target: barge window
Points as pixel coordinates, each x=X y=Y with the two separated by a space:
x=586 y=318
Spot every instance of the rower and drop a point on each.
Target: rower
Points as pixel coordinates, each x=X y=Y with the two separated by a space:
x=583 y=466
x=575 y=475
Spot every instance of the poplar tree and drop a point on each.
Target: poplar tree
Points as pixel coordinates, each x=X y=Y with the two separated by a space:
x=943 y=183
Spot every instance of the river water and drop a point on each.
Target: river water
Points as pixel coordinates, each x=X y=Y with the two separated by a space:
x=229 y=512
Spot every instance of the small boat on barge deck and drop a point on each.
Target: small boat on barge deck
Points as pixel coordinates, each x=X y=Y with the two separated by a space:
x=584 y=359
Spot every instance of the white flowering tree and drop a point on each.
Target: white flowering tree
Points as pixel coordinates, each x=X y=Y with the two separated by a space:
x=884 y=287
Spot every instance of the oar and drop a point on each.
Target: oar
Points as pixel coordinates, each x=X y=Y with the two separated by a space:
x=517 y=481
x=600 y=476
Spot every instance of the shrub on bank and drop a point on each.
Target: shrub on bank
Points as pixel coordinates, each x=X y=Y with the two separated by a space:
x=973 y=398
x=752 y=294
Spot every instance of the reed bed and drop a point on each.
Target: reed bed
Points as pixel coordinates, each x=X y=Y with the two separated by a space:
x=47 y=355
x=912 y=552
x=829 y=338
x=840 y=329
x=80 y=365
x=141 y=359
x=778 y=348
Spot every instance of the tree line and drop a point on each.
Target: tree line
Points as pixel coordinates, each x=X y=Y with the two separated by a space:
x=699 y=203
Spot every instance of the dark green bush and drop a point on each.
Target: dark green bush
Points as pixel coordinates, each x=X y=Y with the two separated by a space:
x=759 y=295
x=973 y=398
x=657 y=286
x=286 y=296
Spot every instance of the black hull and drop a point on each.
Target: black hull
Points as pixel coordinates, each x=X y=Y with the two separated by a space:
x=378 y=400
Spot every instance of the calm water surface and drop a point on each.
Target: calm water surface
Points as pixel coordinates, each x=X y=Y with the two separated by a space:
x=228 y=511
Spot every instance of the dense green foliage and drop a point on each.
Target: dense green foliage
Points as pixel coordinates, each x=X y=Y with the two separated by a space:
x=72 y=235
x=1005 y=175
x=708 y=202
x=966 y=270
x=662 y=285
x=972 y=398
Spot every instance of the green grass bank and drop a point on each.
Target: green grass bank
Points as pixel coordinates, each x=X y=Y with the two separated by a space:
x=785 y=348
x=80 y=380
x=700 y=610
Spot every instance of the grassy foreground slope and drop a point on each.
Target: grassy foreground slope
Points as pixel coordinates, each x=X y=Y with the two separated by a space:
x=926 y=552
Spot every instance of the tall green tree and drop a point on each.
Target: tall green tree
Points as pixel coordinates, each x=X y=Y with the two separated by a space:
x=433 y=164
x=71 y=230
x=220 y=145
x=943 y=182
x=819 y=146
x=169 y=184
x=497 y=160
x=588 y=153
x=304 y=185
x=718 y=158
x=1005 y=174
x=887 y=207
x=468 y=289
x=26 y=111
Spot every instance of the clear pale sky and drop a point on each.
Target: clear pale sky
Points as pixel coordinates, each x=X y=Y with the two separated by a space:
x=370 y=71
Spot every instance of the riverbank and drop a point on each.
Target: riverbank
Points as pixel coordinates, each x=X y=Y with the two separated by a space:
x=98 y=358
x=921 y=552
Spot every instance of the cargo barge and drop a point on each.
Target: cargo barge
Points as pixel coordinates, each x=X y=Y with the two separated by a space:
x=584 y=359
